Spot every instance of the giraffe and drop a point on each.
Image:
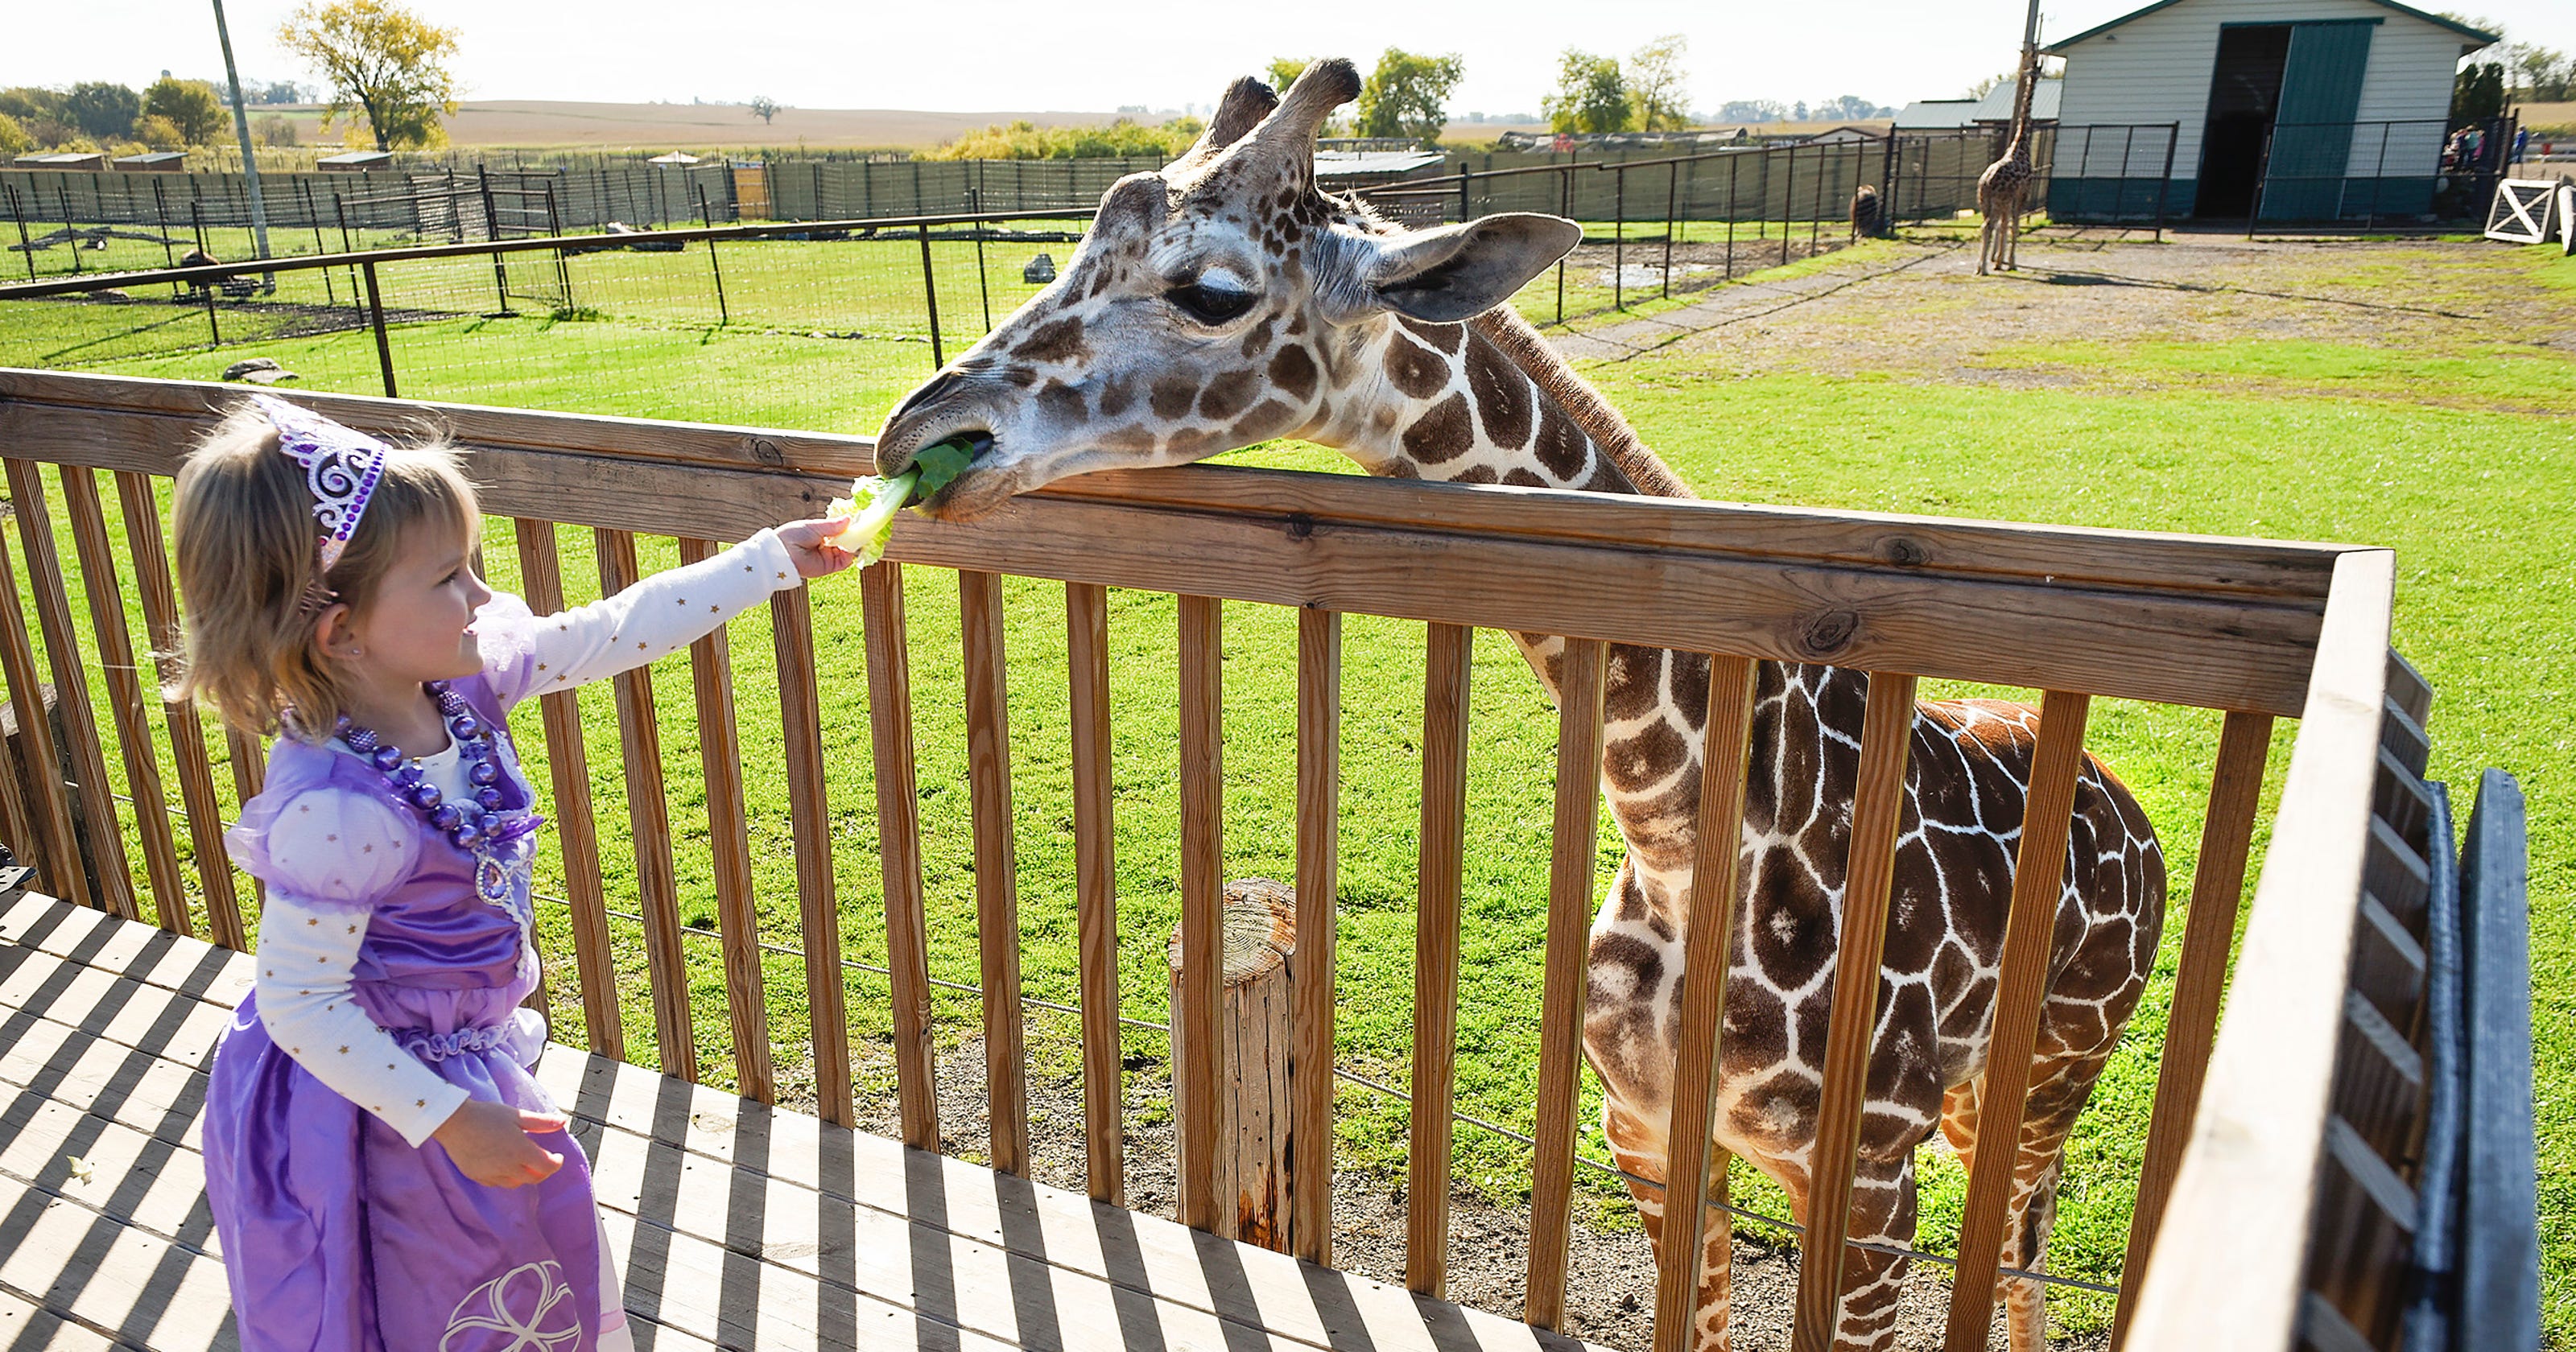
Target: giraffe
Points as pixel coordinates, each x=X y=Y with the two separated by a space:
x=1224 y=301
x=2001 y=188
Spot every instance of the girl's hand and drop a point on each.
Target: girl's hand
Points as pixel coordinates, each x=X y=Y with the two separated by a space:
x=489 y=1142
x=807 y=545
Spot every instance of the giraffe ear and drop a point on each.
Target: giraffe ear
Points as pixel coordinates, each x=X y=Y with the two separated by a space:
x=1456 y=272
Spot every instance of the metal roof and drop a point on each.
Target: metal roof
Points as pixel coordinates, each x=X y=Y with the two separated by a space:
x=2480 y=36
x=1996 y=106
x=1343 y=164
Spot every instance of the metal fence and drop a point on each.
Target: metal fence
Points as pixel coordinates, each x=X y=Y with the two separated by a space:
x=2412 y=169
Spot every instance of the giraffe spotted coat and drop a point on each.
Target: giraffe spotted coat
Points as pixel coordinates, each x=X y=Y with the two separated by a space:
x=1225 y=301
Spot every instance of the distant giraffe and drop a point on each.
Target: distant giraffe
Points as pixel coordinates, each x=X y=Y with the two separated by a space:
x=2006 y=182
x=1223 y=301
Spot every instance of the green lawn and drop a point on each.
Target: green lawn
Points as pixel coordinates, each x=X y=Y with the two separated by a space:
x=2462 y=468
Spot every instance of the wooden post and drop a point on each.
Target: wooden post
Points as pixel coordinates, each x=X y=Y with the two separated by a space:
x=1251 y=1130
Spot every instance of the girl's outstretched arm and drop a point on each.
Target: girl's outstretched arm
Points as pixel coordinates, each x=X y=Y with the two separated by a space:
x=661 y=614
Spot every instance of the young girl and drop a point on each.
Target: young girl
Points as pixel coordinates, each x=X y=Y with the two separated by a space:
x=385 y=1173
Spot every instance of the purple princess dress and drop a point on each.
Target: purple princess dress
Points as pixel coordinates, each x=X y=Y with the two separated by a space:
x=339 y=1235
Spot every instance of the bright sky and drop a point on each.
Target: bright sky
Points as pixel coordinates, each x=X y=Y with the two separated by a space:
x=1014 y=54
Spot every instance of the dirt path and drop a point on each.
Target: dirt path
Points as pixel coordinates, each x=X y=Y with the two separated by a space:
x=1920 y=312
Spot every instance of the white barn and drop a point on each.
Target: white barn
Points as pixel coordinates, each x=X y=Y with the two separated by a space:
x=2315 y=109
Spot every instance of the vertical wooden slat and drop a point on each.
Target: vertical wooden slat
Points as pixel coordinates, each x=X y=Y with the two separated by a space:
x=1878 y=802
x=648 y=812
x=1691 y=1146
x=1449 y=657
x=1095 y=881
x=729 y=848
x=899 y=850
x=568 y=761
x=2021 y=994
x=997 y=898
x=1310 y=971
x=250 y=775
x=2200 y=980
x=142 y=513
x=125 y=697
x=114 y=887
x=809 y=816
x=1197 y=1022
x=1566 y=974
x=56 y=848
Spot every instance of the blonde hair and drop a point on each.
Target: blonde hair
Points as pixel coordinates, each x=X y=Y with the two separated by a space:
x=249 y=549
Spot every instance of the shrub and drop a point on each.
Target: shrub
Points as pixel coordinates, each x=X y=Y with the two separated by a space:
x=14 y=139
x=160 y=133
x=275 y=130
x=1026 y=141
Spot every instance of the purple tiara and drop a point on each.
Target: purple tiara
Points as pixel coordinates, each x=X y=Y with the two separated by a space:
x=341 y=468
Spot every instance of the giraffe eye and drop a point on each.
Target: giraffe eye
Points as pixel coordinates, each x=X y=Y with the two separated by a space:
x=1210 y=304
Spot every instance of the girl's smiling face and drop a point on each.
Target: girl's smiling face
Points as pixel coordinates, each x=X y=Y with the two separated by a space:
x=416 y=627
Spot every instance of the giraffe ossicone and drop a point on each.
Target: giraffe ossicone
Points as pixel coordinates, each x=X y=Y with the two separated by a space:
x=1225 y=301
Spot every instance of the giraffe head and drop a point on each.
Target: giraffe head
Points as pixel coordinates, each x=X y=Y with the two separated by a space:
x=1212 y=305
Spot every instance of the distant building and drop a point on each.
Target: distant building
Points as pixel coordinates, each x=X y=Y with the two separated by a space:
x=63 y=159
x=154 y=162
x=2319 y=109
x=355 y=162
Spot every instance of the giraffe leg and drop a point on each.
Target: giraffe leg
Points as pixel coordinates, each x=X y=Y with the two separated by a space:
x=2059 y=1086
x=1959 y=1119
x=1874 y=1282
x=1716 y=1264
x=1985 y=242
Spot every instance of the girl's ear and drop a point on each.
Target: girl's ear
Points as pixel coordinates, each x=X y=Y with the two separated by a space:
x=334 y=631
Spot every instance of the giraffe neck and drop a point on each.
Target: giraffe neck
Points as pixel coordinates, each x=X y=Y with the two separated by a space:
x=1489 y=402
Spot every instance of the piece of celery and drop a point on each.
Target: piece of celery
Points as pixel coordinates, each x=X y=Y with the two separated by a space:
x=873 y=501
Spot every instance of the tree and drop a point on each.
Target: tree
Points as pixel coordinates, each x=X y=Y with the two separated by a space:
x=188 y=105
x=381 y=60
x=102 y=110
x=1284 y=71
x=1407 y=95
x=1848 y=108
x=14 y=139
x=2478 y=94
x=1656 y=84
x=159 y=133
x=1753 y=110
x=281 y=91
x=31 y=104
x=275 y=130
x=764 y=108
x=2544 y=74
x=1591 y=94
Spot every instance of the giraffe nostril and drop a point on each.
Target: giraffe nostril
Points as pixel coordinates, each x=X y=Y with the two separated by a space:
x=928 y=393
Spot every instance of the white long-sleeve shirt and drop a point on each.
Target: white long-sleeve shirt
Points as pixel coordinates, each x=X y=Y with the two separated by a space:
x=333 y=852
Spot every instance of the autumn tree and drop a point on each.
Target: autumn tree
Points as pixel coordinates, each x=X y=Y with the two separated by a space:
x=383 y=61
x=1591 y=94
x=764 y=108
x=1657 y=84
x=1284 y=71
x=190 y=107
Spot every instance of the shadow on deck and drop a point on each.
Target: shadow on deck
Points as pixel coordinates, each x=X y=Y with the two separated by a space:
x=738 y=1225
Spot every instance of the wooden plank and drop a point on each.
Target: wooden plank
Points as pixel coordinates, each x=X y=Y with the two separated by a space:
x=2404 y=738
x=1196 y=1024
x=899 y=849
x=1692 y=1153
x=2200 y=981
x=2392 y=871
x=729 y=849
x=126 y=708
x=2361 y=1234
x=2379 y=1084
x=2400 y=799
x=2408 y=690
x=2388 y=967
x=18 y=816
x=1311 y=974
x=2244 y=1196
x=56 y=851
x=1448 y=659
x=1878 y=803
x=114 y=887
x=648 y=812
x=568 y=764
x=809 y=817
x=2215 y=623
x=1931 y=545
x=997 y=894
x=1095 y=882
x=2499 y=1253
x=28 y=1327
x=250 y=773
x=74 y=1260
x=2021 y=997
x=142 y=513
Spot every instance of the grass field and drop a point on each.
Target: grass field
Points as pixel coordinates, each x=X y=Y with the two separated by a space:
x=2455 y=453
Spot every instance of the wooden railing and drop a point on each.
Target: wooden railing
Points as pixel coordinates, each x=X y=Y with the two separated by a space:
x=2259 y=629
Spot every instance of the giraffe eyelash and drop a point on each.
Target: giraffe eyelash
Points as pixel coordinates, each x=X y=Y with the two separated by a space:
x=1209 y=304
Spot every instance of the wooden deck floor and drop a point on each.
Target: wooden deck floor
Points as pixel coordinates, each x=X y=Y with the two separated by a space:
x=738 y=1225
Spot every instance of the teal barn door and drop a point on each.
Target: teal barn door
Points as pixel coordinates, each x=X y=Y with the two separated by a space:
x=2312 y=133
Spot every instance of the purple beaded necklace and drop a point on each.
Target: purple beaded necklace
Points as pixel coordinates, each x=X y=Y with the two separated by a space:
x=474 y=825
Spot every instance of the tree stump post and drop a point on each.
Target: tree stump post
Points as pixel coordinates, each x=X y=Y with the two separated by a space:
x=1252 y=1133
